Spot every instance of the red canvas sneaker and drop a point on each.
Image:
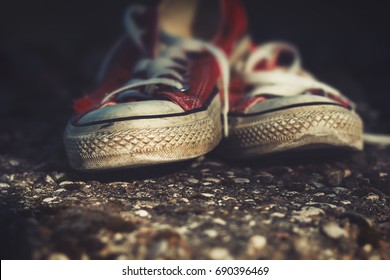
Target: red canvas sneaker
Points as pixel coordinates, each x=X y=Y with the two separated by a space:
x=162 y=91
x=277 y=106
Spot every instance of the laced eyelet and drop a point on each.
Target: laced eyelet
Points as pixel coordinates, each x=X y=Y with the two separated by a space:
x=184 y=88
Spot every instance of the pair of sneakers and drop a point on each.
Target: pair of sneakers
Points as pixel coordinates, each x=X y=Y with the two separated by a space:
x=185 y=79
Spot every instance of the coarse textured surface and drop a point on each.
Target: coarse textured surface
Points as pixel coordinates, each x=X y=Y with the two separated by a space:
x=312 y=208
x=291 y=128
x=144 y=141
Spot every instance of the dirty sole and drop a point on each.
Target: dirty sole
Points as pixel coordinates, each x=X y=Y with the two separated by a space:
x=145 y=141
x=306 y=127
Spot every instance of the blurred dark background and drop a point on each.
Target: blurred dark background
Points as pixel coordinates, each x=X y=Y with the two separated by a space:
x=50 y=50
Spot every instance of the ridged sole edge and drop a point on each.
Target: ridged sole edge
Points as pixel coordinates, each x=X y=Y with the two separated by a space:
x=306 y=127
x=142 y=142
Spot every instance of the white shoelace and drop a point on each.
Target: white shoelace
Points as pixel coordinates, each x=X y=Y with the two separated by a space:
x=288 y=81
x=167 y=62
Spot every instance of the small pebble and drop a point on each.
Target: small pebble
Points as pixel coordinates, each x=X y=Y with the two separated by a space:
x=277 y=215
x=367 y=248
x=49 y=199
x=118 y=236
x=212 y=233
x=193 y=225
x=214 y=163
x=193 y=180
x=345 y=202
x=319 y=194
x=214 y=180
x=219 y=221
x=248 y=217
x=317 y=185
x=49 y=179
x=334 y=231
x=347 y=173
x=4 y=185
x=207 y=194
x=301 y=244
x=340 y=190
x=241 y=180
x=372 y=197
x=220 y=254
x=267 y=222
x=58 y=176
x=292 y=193
x=257 y=242
x=264 y=174
x=142 y=213
x=182 y=230
x=14 y=162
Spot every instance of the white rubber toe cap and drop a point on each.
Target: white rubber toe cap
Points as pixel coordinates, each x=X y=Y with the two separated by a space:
x=131 y=109
x=276 y=103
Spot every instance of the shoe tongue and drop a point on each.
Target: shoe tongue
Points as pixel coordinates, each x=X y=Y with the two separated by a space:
x=220 y=22
x=141 y=24
x=232 y=27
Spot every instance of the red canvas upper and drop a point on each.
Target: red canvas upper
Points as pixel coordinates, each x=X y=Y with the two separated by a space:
x=204 y=71
x=120 y=67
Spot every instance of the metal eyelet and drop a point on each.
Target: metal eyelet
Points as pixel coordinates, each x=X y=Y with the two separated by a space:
x=184 y=88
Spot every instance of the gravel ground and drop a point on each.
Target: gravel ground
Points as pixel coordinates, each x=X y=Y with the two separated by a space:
x=333 y=206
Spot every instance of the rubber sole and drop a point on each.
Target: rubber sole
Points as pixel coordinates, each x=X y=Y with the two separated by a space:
x=298 y=128
x=140 y=142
